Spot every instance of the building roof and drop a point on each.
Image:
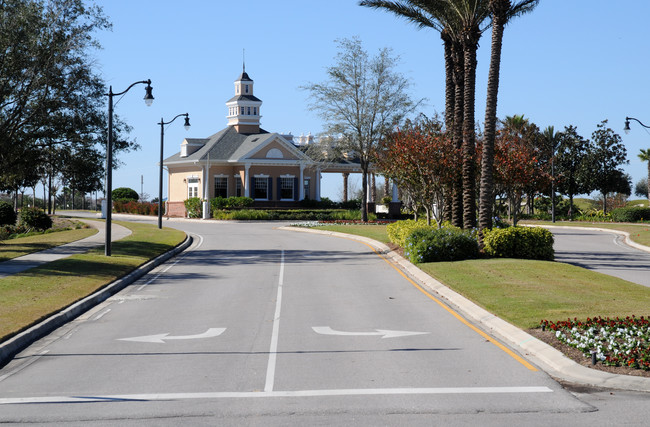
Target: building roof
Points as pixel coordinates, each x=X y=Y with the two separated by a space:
x=244 y=77
x=244 y=98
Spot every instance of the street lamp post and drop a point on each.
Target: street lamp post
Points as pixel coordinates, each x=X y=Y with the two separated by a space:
x=148 y=100
x=627 y=124
x=160 y=177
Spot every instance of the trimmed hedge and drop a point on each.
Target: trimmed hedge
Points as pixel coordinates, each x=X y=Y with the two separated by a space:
x=631 y=214
x=519 y=242
x=230 y=203
x=441 y=244
x=399 y=231
x=133 y=207
x=7 y=214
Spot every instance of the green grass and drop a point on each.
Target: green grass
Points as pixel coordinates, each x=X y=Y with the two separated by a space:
x=376 y=232
x=26 y=245
x=35 y=294
x=525 y=292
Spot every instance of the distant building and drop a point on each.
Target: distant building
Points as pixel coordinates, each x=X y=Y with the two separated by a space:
x=245 y=160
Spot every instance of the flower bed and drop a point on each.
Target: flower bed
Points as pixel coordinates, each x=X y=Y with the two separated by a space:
x=615 y=342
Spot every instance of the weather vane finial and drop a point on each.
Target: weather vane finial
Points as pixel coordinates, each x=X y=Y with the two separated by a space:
x=244 y=59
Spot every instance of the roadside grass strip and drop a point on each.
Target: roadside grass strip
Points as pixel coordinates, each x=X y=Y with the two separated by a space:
x=614 y=342
x=36 y=294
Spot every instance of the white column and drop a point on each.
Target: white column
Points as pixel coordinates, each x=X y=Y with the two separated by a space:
x=247 y=180
x=206 y=191
x=301 y=183
x=318 y=178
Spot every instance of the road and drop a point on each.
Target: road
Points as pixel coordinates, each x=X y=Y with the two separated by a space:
x=258 y=326
x=603 y=252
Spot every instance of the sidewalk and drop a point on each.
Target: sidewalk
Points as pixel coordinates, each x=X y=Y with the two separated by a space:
x=25 y=262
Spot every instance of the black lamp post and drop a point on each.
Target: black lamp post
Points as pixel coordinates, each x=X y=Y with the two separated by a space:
x=148 y=100
x=162 y=139
x=627 y=124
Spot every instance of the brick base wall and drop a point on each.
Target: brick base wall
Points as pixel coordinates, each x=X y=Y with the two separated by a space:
x=176 y=209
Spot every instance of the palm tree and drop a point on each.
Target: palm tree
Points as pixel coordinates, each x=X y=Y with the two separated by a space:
x=644 y=155
x=501 y=11
x=551 y=139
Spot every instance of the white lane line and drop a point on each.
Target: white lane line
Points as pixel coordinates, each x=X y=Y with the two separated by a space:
x=274 y=394
x=102 y=314
x=166 y=269
x=273 y=351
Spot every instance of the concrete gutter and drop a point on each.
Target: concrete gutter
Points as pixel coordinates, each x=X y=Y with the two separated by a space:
x=552 y=361
x=18 y=343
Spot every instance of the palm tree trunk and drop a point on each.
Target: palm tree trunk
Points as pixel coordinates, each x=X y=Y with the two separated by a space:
x=457 y=135
x=470 y=46
x=486 y=196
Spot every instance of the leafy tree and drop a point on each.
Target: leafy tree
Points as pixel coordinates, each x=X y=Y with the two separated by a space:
x=125 y=193
x=644 y=156
x=501 y=11
x=424 y=162
x=362 y=100
x=550 y=140
x=572 y=166
x=641 y=188
x=607 y=155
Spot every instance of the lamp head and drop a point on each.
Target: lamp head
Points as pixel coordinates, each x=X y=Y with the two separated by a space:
x=626 y=129
x=148 y=97
x=187 y=122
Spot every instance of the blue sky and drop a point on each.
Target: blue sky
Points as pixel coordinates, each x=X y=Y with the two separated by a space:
x=574 y=62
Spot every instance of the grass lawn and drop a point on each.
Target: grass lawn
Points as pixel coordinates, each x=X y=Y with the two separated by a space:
x=525 y=292
x=35 y=294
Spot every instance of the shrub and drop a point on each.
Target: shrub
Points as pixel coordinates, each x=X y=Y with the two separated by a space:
x=230 y=203
x=400 y=230
x=194 y=207
x=35 y=218
x=7 y=214
x=133 y=207
x=441 y=244
x=124 y=193
x=519 y=242
x=630 y=214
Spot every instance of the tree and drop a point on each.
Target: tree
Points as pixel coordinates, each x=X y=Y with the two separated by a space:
x=501 y=11
x=571 y=164
x=362 y=100
x=422 y=159
x=607 y=155
x=516 y=160
x=50 y=94
x=125 y=193
x=550 y=140
x=641 y=188
x=644 y=156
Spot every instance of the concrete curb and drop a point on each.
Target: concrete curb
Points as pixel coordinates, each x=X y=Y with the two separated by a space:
x=549 y=359
x=18 y=343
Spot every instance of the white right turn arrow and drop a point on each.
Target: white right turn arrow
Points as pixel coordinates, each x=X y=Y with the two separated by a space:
x=383 y=333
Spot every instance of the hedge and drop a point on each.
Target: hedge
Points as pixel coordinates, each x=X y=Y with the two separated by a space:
x=630 y=214
x=399 y=231
x=442 y=244
x=519 y=242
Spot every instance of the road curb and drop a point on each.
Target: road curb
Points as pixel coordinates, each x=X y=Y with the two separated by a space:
x=549 y=359
x=18 y=343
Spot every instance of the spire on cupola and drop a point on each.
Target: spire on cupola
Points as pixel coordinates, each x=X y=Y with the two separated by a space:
x=244 y=107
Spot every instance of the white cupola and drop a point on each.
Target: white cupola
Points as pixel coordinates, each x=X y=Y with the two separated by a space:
x=244 y=107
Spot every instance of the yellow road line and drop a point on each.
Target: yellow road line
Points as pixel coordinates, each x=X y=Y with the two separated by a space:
x=452 y=312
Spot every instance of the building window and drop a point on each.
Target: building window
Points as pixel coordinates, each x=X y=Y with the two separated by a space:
x=238 y=192
x=192 y=187
x=255 y=111
x=249 y=111
x=220 y=186
x=286 y=188
x=306 y=187
x=261 y=188
x=246 y=88
x=237 y=89
x=242 y=111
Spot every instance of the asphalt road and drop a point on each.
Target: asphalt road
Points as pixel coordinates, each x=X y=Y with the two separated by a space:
x=603 y=252
x=258 y=326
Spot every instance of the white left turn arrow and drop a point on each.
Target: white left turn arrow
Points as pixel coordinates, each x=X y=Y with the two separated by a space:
x=161 y=338
x=383 y=333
